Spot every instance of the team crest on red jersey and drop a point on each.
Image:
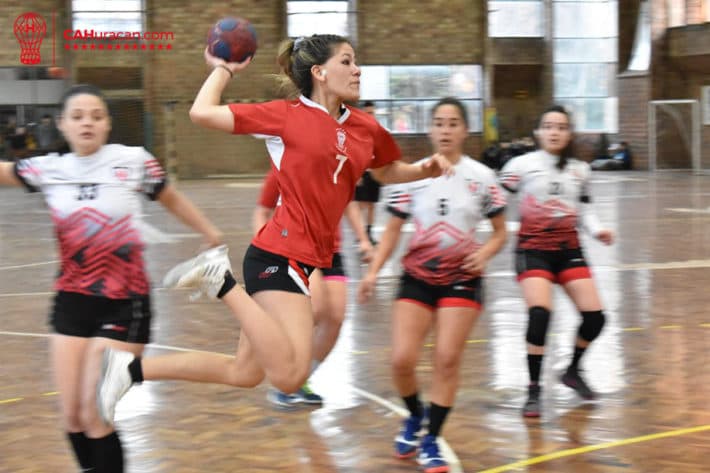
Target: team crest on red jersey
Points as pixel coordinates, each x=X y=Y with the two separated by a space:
x=121 y=172
x=340 y=133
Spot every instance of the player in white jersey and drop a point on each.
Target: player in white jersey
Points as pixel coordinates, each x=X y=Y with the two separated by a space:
x=554 y=202
x=94 y=196
x=441 y=286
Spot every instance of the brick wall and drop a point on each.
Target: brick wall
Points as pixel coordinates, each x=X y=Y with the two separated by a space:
x=397 y=32
x=634 y=94
x=178 y=75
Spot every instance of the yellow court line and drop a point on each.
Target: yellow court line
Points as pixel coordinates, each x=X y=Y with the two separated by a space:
x=632 y=329
x=51 y=393
x=481 y=340
x=8 y=401
x=705 y=325
x=672 y=327
x=592 y=448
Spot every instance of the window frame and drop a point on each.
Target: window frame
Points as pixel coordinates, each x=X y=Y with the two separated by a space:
x=350 y=13
x=492 y=23
x=109 y=14
x=392 y=107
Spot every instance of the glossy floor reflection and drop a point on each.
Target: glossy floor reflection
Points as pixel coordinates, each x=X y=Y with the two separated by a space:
x=650 y=364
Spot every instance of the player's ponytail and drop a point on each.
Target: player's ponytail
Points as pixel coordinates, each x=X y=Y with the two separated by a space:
x=297 y=57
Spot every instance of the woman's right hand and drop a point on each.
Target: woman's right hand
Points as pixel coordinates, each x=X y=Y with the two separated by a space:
x=366 y=288
x=214 y=61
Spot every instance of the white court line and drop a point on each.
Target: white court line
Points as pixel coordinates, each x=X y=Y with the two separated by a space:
x=29 y=265
x=150 y=345
x=689 y=210
x=446 y=451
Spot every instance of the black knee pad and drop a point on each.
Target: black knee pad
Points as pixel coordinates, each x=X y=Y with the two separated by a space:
x=592 y=324
x=539 y=318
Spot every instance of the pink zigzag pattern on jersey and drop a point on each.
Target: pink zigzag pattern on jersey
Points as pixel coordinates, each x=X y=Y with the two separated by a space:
x=100 y=261
x=542 y=229
x=425 y=246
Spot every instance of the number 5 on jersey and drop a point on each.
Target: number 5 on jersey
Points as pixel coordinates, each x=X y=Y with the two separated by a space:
x=341 y=160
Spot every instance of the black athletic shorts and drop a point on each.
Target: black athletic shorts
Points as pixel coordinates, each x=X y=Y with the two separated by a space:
x=367 y=189
x=82 y=315
x=266 y=271
x=467 y=293
x=557 y=266
x=336 y=271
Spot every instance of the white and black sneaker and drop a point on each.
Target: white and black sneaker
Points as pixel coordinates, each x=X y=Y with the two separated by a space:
x=114 y=382
x=205 y=272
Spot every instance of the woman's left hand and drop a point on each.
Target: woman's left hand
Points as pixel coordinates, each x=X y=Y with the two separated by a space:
x=475 y=263
x=437 y=166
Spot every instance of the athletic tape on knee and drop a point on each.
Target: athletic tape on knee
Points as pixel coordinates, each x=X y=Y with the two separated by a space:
x=592 y=324
x=538 y=320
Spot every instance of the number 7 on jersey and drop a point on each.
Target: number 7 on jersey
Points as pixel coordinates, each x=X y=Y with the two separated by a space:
x=341 y=160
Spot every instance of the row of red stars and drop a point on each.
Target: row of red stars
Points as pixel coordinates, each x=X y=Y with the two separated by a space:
x=127 y=46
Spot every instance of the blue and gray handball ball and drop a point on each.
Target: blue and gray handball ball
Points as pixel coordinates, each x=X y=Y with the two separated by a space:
x=232 y=39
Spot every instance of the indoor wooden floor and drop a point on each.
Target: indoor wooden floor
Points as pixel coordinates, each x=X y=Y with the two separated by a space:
x=650 y=365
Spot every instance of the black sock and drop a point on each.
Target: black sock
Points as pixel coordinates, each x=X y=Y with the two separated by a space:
x=229 y=283
x=108 y=454
x=534 y=367
x=82 y=449
x=414 y=405
x=437 y=416
x=578 y=352
x=136 y=370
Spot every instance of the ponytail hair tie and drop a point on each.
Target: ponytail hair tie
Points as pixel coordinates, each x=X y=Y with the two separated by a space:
x=298 y=43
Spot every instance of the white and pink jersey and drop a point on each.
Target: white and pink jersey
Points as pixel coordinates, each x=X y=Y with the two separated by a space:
x=445 y=212
x=96 y=207
x=553 y=202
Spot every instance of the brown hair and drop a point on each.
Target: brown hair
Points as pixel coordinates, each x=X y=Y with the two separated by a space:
x=297 y=57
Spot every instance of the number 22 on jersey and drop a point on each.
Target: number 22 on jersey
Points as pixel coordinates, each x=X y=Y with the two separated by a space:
x=341 y=161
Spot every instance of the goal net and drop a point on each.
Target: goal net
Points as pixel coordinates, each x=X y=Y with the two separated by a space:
x=674 y=136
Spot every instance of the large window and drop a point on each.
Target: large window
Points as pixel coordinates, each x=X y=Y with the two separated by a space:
x=404 y=95
x=307 y=17
x=108 y=15
x=516 y=18
x=585 y=54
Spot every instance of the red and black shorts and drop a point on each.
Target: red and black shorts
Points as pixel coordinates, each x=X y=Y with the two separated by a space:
x=82 y=315
x=336 y=272
x=266 y=271
x=557 y=266
x=467 y=293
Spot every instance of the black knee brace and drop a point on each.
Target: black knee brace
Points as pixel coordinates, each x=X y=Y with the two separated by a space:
x=537 y=325
x=592 y=324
